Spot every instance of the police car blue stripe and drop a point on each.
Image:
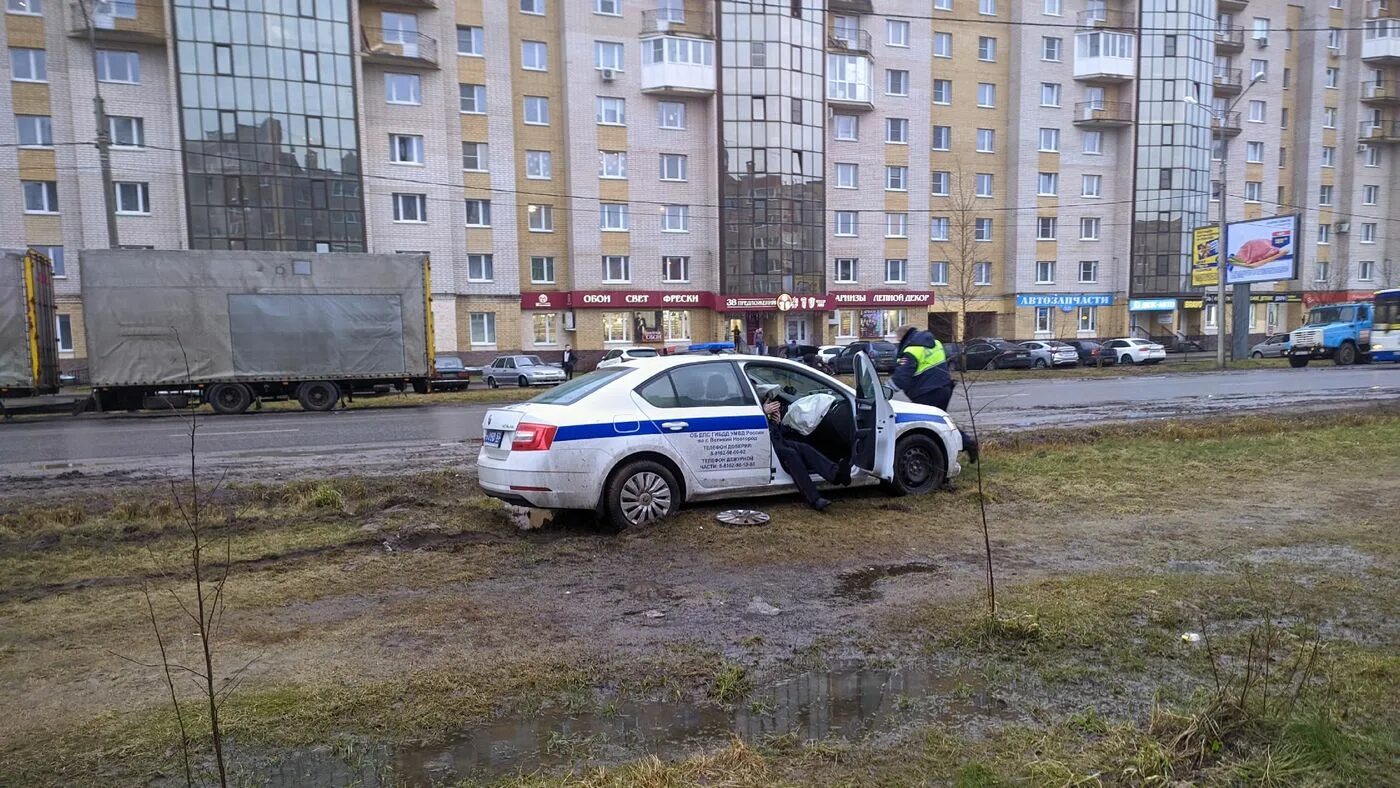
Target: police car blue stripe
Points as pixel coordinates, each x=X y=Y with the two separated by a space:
x=627 y=429
x=906 y=417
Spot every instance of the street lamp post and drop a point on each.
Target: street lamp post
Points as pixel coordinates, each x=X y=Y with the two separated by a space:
x=104 y=141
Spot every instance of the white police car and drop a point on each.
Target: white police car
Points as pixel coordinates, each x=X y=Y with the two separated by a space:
x=637 y=440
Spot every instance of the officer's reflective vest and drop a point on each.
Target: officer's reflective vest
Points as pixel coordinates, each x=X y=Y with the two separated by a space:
x=927 y=357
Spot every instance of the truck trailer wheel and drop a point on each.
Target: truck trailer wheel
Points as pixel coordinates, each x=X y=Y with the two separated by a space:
x=1345 y=355
x=318 y=395
x=229 y=398
x=1297 y=362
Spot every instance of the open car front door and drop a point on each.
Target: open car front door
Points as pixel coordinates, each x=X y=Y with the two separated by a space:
x=875 y=423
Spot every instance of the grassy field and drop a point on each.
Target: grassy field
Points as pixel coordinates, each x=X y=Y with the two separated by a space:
x=378 y=615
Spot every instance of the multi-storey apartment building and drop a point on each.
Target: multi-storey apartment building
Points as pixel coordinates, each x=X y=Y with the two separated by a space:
x=598 y=172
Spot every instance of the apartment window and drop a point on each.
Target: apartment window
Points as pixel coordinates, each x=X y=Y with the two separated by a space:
x=846 y=223
x=1334 y=38
x=671 y=11
x=540 y=218
x=1093 y=143
x=1254 y=152
x=65 y=334
x=1089 y=228
x=478 y=213
x=846 y=269
x=1324 y=234
x=410 y=207
x=1259 y=70
x=671 y=115
x=126 y=131
x=1051 y=48
x=483 y=328
x=896 y=82
x=675 y=268
x=674 y=167
x=1045 y=228
x=938 y=183
x=617 y=268
x=539 y=165
x=402 y=89
x=29 y=65
x=847 y=175
x=1261 y=28
x=471 y=99
x=1051 y=8
x=1088 y=271
x=1329 y=117
x=1257 y=110
x=896 y=225
x=1368 y=233
x=1049 y=94
x=1280 y=198
x=35 y=131
x=1370 y=194
x=121 y=67
x=942 y=91
x=480 y=268
x=896 y=179
x=476 y=156
x=612 y=111
x=938 y=272
x=982 y=229
x=536 y=111
x=405 y=149
x=535 y=7
x=942 y=44
x=613 y=216
x=1330 y=77
x=846 y=127
x=534 y=55
x=1091 y=186
x=1164 y=178
x=1365 y=270
x=982 y=184
x=987 y=7
x=982 y=273
x=675 y=218
x=25 y=7
x=1373 y=156
x=987 y=49
x=897 y=130
x=896 y=33
x=1253 y=190
x=1044 y=319
x=1048 y=184
x=986 y=95
x=1320 y=273
x=471 y=41
x=40 y=196
x=943 y=5
x=612 y=164
x=1324 y=195
x=1050 y=140
x=608 y=55
x=938 y=228
x=542 y=270
x=1088 y=318
x=1329 y=156
x=1045 y=272
x=986 y=140
x=896 y=271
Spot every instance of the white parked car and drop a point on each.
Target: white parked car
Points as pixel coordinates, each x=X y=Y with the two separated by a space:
x=637 y=441
x=1051 y=353
x=828 y=353
x=620 y=354
x=1135 y=351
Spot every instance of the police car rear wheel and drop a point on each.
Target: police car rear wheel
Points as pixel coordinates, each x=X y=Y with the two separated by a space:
x=919 y=466
x=641 y=492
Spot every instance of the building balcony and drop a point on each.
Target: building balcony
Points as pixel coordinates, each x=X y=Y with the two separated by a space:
x=1103 y=114
x=1380 y=9
x=850 y=95
x=853 y=41
x=1227 y=81
x=1232 y=6
x=397 y=48
x=1380 y=43
x=678 y=22
x=1229 y=39
x=1107 y=19
x=132 y=22
x=852 y=6
x=1385 y=132
x=1226 y=124
x=1105 y=56
x=1380 y=92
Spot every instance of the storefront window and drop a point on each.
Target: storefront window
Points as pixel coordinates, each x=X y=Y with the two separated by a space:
x=880 y=323
x=1044 y=319
x=1088 y=318
x=845 y=323
x=544 y=329
x=617 y=326
x=676 y=325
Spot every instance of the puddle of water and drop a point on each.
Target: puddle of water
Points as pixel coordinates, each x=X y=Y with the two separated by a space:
x=845 y=703
x=859 y=585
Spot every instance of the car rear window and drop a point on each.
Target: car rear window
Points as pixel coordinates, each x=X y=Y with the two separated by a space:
x=449 y=363
x=580 y=387
x=642 y=352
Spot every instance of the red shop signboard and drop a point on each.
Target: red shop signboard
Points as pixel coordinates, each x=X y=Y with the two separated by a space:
x=617 y=299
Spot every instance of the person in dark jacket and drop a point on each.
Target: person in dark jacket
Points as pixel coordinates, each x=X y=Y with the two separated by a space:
x=922 y=373
x=801 y=460
x=570 y=361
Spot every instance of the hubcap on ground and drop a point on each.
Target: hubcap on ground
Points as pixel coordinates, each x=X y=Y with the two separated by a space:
x=645 y=497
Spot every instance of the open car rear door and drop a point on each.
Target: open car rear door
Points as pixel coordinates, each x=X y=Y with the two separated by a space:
x=875 y=424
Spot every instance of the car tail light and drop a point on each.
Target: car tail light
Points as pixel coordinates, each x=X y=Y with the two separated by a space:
x=533 y=437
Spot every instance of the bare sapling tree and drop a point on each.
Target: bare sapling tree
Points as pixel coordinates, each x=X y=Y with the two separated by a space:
x=968 y=283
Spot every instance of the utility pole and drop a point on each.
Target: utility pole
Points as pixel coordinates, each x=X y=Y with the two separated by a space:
x=1220 y=247
x=104 y=137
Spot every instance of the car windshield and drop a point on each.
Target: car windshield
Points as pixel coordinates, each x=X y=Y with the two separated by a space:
x=1323 y=315
x=528 y=361
x=1058 y=345
x=642 y=352
x=580 y=387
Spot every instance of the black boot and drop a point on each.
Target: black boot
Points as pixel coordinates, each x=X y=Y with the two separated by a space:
x=970 y=446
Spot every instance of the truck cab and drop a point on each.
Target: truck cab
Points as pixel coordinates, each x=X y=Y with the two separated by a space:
x=1341 y=332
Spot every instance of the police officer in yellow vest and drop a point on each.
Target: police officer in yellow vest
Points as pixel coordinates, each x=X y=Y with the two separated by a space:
x=922 y=374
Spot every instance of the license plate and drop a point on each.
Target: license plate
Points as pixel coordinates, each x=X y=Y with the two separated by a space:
x=493 y=438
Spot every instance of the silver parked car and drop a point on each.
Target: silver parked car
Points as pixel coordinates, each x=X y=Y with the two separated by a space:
x=1052 y=353
x=1275 y=346
x=521 y=371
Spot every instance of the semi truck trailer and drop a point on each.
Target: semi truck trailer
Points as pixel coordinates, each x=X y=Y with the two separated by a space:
x=28 y=326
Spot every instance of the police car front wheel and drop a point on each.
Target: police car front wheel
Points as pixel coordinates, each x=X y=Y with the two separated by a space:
x=641 y=492
x=919 y=466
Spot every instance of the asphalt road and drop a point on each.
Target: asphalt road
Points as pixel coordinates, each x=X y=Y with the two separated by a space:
x=273 y=444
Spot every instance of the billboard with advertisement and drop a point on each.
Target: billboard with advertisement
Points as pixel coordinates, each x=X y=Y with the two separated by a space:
x=1205 y=256
x=1261 y=250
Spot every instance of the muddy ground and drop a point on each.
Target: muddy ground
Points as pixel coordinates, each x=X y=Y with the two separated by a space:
x=404 y=629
